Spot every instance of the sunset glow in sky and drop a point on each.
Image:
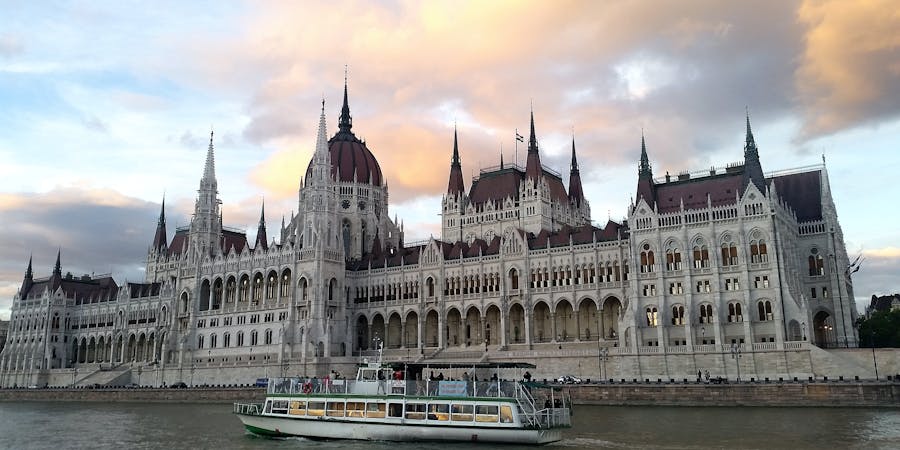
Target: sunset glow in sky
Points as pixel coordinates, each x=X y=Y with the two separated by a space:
x=105 y=108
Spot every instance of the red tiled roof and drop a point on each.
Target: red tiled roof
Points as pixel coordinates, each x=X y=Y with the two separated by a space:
x=499 y=184
x=178 y=242
x=233 y=238
x=722 y=189
x=351 y=159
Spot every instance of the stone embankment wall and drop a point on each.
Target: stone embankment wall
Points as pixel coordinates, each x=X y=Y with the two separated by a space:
x=746 y=394
x=818 y=394
x=199 y=395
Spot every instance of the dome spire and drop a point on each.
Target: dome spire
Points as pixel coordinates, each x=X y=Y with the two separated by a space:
x=346 y=122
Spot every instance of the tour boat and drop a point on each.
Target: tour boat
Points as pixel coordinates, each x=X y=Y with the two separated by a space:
x=397 y=404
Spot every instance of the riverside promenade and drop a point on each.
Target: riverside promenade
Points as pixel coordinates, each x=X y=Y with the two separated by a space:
x=817 y=393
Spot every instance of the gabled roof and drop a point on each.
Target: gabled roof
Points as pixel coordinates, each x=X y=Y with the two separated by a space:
x=497 y=185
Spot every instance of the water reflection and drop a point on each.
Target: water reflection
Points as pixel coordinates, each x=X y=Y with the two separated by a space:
x=151 y=426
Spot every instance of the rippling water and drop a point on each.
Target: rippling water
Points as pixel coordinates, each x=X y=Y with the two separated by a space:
x=201 y=426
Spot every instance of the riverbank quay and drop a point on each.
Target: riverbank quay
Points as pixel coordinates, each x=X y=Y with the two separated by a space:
x=817 y=393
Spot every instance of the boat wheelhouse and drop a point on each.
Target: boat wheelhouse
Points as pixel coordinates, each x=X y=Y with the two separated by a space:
x=400 y=404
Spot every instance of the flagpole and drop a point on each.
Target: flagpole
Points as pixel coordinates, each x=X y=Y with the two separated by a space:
x=516 y=161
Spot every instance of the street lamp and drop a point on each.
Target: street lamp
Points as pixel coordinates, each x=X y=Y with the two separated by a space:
x=703 y=335
x=735 y=355
x=803 y=330
x=603 y=356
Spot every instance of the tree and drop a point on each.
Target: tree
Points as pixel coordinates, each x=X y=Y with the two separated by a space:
x=880 y=330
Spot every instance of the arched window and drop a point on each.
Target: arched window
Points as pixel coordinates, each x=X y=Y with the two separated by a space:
x=254 y=338
x=734 y=313
x=268 y=337
x=331 y=285
x=199 y=341
x=647 y=259
x=286 y=283
x=758 y=252
x=816 y=263
x=729 y=252
x=701 y=256
x=765 y=311
x=303 y=290
x=244 y=292
x=257 y=287
x=678 y=315
x=652 y=316
x=213 y=340
x=226 y=340
x=673 y=258
x=271 y=284
x=240 y=339
x=429 y=285
x=706 y=313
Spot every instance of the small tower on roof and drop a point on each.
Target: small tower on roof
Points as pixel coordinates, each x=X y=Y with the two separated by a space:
x=533 y=170
x=261 y=239
x=645 y=188
x=159 y=239
x=576 y=195
x=753 y=172
x=455 y=186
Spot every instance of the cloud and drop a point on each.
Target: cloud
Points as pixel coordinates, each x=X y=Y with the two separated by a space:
x=879 y=274
x=96 y=231
x=849 y=72
x=94 y=123
x=10 y=46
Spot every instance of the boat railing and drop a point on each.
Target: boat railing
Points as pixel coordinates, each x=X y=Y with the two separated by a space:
x=444 y=388
x=248 y=409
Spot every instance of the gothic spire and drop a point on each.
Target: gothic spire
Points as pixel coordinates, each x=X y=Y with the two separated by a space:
x=644 y=169
x=159 y=239
x=533 y=163
x=209 y=170
x=576 y=195
x=455 y=185
x=261 y=238
x=57 y=268
x=753 y=172
x=28 y=272
x=346 y=122
x=645 y=188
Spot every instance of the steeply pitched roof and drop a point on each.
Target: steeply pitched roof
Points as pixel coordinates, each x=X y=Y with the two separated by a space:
x=723 y=189
x=802 y=192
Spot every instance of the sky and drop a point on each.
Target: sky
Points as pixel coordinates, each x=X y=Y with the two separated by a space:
x=106 y=108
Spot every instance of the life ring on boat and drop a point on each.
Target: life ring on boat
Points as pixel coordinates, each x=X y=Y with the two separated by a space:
x=307 y=388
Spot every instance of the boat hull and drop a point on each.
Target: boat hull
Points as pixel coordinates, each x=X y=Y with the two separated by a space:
x=328 y=428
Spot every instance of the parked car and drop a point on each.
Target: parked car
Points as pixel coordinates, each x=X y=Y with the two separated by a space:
x=568 y=379
x=178 y=385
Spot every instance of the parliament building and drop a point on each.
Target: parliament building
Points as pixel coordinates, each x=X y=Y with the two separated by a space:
x=735 y=270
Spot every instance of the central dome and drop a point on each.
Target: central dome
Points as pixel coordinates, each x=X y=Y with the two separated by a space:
x=351 y=160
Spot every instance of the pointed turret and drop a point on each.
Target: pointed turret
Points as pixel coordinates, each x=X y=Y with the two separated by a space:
x=753 y=172
x=261 y=239
x=28 y=281
x=455 y=186
x=345 y=122
x=576 y=195
x=57 y=268
x=533 y=163
x=645 y=188
x=209 y=169
x=159 y=239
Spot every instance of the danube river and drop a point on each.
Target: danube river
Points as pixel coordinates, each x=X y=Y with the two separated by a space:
x=61 y=425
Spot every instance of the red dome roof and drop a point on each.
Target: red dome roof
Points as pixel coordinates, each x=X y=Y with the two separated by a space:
x=351 y=160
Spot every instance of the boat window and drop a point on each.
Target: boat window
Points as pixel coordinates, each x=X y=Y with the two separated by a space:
x=486 y=413
x=316 y=409
x=415 y=411
x=506 y=414
x=462 y=412
x=297 y=408
x=356 y=409
x=368 y=375
x=438 y=411
x=279 y=406
x=375 y=410
x=335 y=409
x=268 y=406
x=395 y=410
